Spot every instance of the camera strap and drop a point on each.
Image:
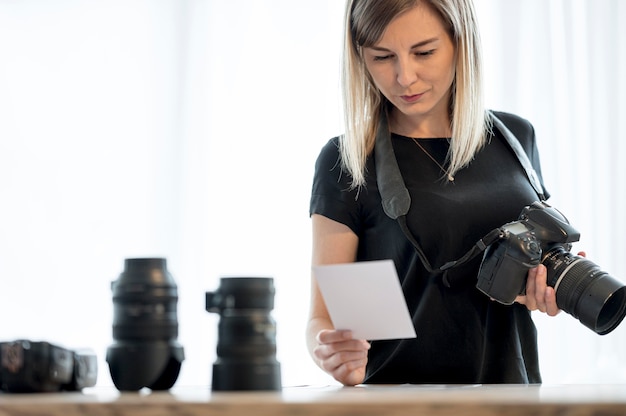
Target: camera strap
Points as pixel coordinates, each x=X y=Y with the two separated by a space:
x=396 y=199
x=480 y=246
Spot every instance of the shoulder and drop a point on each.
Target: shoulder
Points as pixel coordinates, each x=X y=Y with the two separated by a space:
x=519 y=126
x=330 y=151
x=329 y=159
x=331 y=195
x=524 y=133
x=328 y=166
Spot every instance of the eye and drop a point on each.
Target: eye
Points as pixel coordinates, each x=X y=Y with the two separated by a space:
x=425 y=53
x=379 y=58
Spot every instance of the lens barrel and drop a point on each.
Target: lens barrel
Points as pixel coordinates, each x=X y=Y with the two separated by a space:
x=246 y=347
x=584 y=291
x=145 y=327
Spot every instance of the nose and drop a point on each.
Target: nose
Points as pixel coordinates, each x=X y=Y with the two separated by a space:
x=406 y=72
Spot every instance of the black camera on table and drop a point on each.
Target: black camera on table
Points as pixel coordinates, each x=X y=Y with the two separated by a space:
x=542 y=235
x=38 y=367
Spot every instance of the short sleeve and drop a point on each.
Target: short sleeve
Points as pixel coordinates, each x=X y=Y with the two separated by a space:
x=331 y=195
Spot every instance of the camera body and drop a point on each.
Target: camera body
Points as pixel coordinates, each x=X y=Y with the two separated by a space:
x=38 y=367
x=521 y=246
x=542 y=235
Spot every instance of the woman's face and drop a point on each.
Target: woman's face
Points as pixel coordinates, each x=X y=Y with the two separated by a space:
x=413 y=66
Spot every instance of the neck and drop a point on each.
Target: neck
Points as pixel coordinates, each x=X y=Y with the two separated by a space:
x=422 y=127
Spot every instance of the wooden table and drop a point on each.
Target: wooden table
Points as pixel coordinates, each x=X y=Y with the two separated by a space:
x=479 y=400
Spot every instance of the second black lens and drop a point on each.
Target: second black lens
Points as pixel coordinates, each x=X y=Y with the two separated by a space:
x=246 y=347
x=145 y=327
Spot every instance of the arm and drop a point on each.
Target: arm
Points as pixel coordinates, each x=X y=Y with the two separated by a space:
x=335 y=352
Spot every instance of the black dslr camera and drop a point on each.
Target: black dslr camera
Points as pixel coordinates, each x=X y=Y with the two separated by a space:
x=542 y=235
x=37 y=367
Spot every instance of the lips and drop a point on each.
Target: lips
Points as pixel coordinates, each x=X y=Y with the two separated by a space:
x=411 y=98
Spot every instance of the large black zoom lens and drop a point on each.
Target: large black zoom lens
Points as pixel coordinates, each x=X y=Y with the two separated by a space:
x=246 y=347
x=145 y=327
x=584 y=291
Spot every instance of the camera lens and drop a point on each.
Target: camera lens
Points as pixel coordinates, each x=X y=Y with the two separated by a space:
x=246 y=347
x=145 y=327
x=145 y=298
x=584 y=291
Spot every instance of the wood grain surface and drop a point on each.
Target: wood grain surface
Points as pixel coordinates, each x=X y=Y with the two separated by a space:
x=480 y=400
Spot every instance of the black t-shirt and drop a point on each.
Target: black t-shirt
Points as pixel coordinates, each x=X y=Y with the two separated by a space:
x=462 y=335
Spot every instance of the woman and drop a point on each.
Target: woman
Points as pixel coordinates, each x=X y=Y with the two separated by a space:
x=414 y=109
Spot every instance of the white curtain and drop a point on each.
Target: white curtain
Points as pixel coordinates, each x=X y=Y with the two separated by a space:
x=188 y=129
x=560 y=64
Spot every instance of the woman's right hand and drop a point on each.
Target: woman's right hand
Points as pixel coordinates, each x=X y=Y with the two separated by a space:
x=342 y=356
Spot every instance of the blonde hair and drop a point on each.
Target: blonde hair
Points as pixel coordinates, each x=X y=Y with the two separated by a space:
x=365 y=23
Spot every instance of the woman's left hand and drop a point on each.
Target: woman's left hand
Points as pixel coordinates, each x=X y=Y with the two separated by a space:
x=540 y=296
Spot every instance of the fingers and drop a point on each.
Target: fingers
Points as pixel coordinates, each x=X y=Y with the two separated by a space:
x=340 y=350
x=535 y=290
x=539 y=287
x=341 y=364
x=341 y=356
x=529 y=300
x=551 y=307
x=539 y=296
x=327 y=336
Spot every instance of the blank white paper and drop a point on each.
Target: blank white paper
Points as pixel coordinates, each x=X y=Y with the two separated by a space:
x=366 y=298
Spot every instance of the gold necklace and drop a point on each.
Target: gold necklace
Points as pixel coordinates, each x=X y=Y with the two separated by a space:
x=450 y=177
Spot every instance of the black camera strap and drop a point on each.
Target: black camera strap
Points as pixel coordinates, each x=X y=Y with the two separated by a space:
x=480 y=246
x=396 y=199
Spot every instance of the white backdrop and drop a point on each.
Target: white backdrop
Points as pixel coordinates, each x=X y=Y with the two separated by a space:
x=188 y=129
x=559 y=64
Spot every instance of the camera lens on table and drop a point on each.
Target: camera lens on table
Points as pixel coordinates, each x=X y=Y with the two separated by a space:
x=145 y=327
x=246 y=347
